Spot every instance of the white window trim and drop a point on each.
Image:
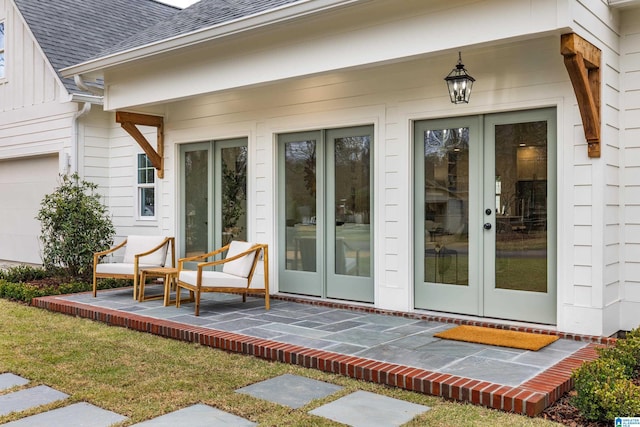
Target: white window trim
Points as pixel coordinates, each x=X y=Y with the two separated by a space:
x=138 y=199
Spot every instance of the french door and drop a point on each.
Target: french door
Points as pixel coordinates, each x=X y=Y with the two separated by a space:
x=213 y=195
x=485 y=215
x=325 y=205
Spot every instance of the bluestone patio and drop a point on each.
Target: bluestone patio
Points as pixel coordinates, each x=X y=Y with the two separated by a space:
x=396 y=349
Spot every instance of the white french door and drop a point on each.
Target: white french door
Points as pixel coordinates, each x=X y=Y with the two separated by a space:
x=485 y=215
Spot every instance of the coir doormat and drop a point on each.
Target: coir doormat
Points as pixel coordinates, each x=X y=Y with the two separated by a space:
x=499 y=337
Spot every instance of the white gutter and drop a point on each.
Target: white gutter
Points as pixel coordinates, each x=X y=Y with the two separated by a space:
x=93 y=88
x=82 y=97
x=225 y=29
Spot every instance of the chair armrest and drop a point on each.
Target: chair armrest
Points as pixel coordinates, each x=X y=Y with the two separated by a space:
x=97 y=255
x=181 y=261
x=229 y=259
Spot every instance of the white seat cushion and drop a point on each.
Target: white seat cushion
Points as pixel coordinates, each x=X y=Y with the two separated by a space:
x=140 y=244
x=120 y=268
x=242 y=266
x=213 y=279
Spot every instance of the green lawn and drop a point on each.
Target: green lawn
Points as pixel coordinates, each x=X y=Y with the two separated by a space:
x=143 y=376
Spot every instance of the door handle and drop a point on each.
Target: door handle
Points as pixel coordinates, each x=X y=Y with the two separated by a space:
x=487 y=226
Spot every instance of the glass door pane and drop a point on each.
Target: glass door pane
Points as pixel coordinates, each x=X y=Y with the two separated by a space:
x=300 y=205
x=446 y=206
x=232 y=179
x=352 y=206
x=196 y=202
x=521 y=206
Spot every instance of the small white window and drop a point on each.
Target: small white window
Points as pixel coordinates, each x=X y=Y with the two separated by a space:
x=2 y=74
x=146 y=188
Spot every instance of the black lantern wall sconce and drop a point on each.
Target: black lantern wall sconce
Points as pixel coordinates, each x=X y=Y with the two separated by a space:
x=459 y=83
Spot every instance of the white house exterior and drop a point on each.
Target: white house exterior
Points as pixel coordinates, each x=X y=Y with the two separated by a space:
x=49 y=126
x=328 y=93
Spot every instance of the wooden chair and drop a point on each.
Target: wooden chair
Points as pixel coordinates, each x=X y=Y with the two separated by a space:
x=236 y=276
x=139 y=252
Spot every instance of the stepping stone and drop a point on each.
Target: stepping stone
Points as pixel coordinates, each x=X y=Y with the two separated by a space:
x=289 y=390
x=11 y=380
x=29 y=398
x=76 y=415
x=364 y=409
x=197 y=416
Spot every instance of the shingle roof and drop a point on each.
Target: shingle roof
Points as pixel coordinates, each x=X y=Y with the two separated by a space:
x=203 y=14
x=72 y=31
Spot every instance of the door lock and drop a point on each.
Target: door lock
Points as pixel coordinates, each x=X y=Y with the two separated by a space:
x=487 y=226
x=488 y=211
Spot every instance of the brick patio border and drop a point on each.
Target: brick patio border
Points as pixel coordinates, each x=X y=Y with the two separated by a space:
x=529 y=398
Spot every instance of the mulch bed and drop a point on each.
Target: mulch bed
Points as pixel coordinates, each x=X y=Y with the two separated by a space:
x=53 y=282
x=563 y=412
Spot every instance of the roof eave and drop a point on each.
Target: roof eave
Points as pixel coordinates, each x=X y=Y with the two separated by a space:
x=225 y=29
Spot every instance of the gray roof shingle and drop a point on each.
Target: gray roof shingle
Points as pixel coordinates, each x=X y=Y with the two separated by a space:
x=72 y=31
x=201 y=15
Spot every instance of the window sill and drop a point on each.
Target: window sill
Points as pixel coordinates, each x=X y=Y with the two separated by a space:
x=147 y=221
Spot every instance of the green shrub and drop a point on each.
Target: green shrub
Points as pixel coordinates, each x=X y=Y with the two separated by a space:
x=74 y=225
x=22 y=273
x=626 y=352
x=604 y=387
x=25 y=292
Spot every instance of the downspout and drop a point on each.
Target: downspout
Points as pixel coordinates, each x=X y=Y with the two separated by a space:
x=72 y=166
x=97 y=92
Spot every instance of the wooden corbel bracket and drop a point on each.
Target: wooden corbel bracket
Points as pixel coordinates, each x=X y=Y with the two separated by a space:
x=582 y=60
x=129 y=121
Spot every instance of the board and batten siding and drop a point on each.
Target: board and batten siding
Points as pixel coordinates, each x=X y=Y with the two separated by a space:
x=630 y=125
x=29 y=78
x=34 y=117
x=35 y=137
